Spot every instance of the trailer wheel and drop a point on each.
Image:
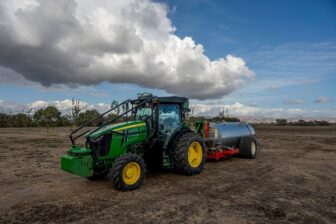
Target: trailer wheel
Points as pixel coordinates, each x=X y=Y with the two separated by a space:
x=189 y=154
x=248 y=147
x=127 y=172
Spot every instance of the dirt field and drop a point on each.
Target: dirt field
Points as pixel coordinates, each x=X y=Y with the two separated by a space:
x=293 y=179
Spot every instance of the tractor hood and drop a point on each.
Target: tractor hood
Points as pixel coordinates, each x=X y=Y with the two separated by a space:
x=120 y=127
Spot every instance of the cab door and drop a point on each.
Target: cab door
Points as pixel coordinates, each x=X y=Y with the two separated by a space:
x=169 y=120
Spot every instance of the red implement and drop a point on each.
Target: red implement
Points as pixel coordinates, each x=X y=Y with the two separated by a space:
x=217 y=155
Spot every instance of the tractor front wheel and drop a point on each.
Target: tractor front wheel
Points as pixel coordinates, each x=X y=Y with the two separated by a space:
x=189 y=154
x=128 y=172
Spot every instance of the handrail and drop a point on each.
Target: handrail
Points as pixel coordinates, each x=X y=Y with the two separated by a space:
x=108 y=122
x=92 y=120
x=116 y=118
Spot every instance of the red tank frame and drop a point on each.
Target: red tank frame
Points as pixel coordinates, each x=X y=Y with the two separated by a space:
x=217 y=155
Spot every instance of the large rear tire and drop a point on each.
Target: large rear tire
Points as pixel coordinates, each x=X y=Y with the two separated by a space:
x=128 y=172
x=189 y=154
x=248 y=147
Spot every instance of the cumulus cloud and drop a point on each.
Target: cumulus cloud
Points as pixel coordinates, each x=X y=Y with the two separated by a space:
x=238 y=109
x=246 y=111
x=322 y=99
x=12 y=107
x=84 y=42
x=64 y=106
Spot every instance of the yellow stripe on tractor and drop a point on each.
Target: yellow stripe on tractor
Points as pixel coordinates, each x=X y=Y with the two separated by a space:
x=130 y=126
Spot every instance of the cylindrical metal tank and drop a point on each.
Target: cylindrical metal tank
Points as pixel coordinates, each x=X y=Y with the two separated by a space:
x=228 y=134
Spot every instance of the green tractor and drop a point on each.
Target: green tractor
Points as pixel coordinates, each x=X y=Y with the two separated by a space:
x=153 y=134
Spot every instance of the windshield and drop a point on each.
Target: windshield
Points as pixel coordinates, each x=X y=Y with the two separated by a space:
x=169 y=117
x=169 y=120
x=143 y=113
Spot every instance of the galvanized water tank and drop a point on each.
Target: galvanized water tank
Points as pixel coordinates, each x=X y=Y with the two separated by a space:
x=228 y=134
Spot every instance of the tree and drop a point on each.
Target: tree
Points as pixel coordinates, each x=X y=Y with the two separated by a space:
x=321 y=123
x=232 y=119
x=75 y=110
x=125 y=108
x=5 y=120
x=89 y=115
x=114 y=104
x=192 y=111
x=20 y=120
x=193 y=119
x=48 y=117
x=64 y=121
x=281 y=122
x=222 y=117
x=109 y=117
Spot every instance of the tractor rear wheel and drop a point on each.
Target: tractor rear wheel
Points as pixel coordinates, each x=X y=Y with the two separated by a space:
x=248 y=147
x=127 y=172
x=189 y=154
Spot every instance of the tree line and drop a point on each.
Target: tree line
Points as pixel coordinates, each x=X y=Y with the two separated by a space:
x=284 y=122
x=48 y=117
x=52 y=117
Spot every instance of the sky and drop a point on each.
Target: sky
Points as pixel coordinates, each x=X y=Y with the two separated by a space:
x=253 y=58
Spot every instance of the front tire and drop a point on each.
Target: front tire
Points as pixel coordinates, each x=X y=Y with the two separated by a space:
x=189 y=154
x=127 y=172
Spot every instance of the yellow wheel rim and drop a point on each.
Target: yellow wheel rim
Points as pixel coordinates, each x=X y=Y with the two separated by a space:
x=195 y=154
x=131 y=173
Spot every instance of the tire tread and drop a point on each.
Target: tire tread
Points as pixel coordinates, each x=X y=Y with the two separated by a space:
x=180 y=154
x=116 y=171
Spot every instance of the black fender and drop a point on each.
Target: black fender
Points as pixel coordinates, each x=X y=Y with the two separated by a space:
x=178 y=132
x=174 y=137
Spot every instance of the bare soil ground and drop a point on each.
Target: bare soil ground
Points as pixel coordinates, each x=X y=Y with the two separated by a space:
x=293 y=179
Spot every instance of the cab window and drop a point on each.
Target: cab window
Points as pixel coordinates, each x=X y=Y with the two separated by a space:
x=169 y=118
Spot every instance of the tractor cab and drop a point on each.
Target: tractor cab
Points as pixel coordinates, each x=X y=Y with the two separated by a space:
x=164 y=116
x=171 y=113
